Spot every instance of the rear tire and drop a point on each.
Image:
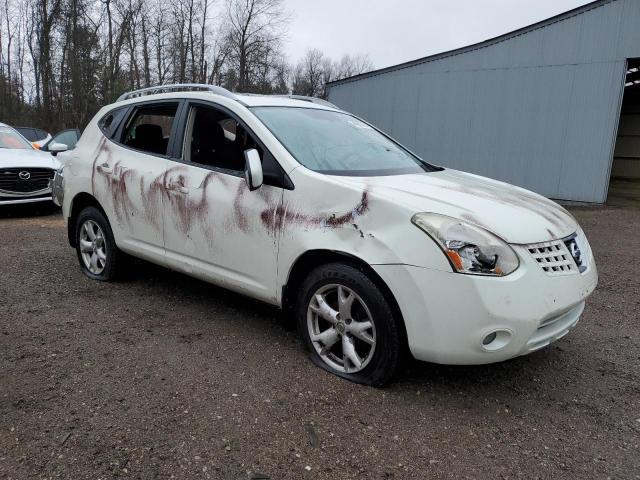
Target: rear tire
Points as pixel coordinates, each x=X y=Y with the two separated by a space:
x=348 y=325
x=98 y=254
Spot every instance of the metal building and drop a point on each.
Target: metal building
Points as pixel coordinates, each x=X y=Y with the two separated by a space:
x=539 y=107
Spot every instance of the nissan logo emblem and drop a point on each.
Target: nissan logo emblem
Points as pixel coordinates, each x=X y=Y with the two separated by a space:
x=575 y=252
x=24 y=175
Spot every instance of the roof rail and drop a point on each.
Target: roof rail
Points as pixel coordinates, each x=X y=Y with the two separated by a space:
x=304 y=98
x=176 y=87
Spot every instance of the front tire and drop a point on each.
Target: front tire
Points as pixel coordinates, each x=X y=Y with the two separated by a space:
x=98 y=254
x=348 y=325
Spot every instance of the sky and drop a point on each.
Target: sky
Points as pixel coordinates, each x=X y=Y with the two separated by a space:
x=396 y=31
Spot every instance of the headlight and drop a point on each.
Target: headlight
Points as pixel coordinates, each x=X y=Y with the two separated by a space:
x=470 y=249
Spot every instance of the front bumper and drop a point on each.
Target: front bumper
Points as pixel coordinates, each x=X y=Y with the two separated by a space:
x=448 y=315
x=19 y=201
x=17 y=198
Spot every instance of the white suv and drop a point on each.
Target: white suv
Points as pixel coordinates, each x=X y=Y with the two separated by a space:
x=304 y=206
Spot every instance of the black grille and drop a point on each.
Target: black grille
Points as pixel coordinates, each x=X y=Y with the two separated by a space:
x=15 y=180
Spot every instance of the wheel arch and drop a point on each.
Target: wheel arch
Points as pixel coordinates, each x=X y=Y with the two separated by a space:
x=81 y=201
x=315 y=258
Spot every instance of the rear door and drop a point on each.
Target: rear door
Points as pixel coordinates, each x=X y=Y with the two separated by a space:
x=215 y=227
x=128 y=175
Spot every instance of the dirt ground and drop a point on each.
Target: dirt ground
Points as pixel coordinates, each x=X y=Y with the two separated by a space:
x=162 y=376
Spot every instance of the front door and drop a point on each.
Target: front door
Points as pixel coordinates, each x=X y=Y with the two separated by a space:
x=128 y=175
x=215 y=227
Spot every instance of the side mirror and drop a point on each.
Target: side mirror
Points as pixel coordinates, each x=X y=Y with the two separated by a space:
x=253 y=169
x=56 y=148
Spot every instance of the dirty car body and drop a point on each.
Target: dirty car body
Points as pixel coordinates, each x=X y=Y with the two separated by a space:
x=469 y=270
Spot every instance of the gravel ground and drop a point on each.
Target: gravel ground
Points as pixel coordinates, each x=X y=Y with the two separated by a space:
x=162 y=376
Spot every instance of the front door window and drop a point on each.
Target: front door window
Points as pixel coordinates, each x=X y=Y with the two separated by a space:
x=215 y=139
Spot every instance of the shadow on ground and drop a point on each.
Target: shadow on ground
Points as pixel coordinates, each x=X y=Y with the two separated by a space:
x=29 y=210
x=274 y=323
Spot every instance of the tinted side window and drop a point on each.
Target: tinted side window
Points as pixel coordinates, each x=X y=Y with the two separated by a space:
x=215 y=139
x=28 y=133
x=110 y=122
x=41 y=134
x=68 y=137
x=149 y=128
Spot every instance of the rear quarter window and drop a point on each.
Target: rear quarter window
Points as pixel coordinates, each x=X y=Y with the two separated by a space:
x=110 y=122
x=148 y=128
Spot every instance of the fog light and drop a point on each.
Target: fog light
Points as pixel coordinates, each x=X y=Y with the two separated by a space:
x=496 y=340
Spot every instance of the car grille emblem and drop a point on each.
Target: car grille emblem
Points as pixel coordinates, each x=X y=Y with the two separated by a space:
x=24 y=175
x=576 y=253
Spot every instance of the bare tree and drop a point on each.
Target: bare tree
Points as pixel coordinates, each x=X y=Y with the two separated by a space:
x=60 y=60
x=315 y=70
x=145 y=49
x=7 y=17
x=159 y=34
x=255 y=29
x=219 y=54
x=310 y=73
x=348 y=66
x=48 y=12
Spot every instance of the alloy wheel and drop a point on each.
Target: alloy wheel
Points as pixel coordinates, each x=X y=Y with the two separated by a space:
x=92 y=247
x=341 y=328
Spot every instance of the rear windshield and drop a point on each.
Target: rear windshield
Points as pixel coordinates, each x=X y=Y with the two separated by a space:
x=9 y=138
x=337 y=143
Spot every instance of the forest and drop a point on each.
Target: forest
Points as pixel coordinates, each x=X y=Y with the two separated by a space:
x=62 y=60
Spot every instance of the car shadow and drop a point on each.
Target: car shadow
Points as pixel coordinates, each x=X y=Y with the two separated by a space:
x=29 y=210
x=491 y=375
x=509 y=377
x=200 y=291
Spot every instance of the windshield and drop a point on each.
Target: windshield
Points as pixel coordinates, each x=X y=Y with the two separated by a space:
x=337 y=143
x=9 y=138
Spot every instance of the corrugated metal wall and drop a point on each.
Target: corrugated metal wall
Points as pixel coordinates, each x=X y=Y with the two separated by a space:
x=539 y=109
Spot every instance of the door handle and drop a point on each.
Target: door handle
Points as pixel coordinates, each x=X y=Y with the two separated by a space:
x=105 y=168
x=178 y=188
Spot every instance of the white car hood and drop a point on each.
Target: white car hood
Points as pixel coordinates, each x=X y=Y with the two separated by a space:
x=516 y=215
x=17 y=158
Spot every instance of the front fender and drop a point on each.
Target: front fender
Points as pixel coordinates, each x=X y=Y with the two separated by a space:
x=323 y=213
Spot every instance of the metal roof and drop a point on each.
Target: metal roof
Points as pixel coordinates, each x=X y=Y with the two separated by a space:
x=477 y=46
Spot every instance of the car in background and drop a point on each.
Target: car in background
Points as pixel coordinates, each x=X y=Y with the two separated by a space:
x=68 y=138
x=36 y=136
x=26 y=173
